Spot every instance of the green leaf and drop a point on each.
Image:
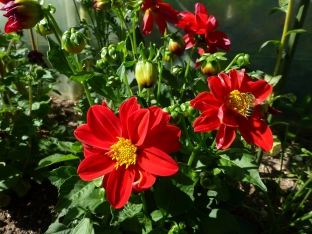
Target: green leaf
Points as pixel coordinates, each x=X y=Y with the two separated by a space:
x=83 y=76
x=275 y=42
x=59 y=175
x=55 y=158
x=272 y=80
x=156 y=215
x=57 y=58
x=83 y=227
x=297 y=31
x=274 y=9
x=240 y=166
x=75 y=192
x=9 y=176
x=170 y=199
x=66 y=146
x=58 y=228
x=130 y=210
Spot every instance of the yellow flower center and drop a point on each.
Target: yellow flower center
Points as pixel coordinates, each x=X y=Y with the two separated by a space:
x=242 y=103
x=124 y=152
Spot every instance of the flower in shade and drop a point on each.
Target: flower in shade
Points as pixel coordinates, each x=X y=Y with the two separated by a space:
x=200 y=30
x=160 y=12
x=21 y=14
x=129 y=150
x=233 y=103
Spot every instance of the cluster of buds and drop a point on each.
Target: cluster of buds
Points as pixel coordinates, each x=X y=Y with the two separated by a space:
x=43 y=28
x=73 y=41
x=109 y=54
x=178 y=111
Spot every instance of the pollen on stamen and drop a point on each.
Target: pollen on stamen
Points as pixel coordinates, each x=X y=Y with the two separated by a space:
x=237 y=102
x=124 y=152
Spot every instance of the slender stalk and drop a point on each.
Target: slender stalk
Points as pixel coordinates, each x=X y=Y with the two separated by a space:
x=233 y=61
x=142 y=195
x=194 y=152
x=32 y=40
x=85 y=86
x=285 y=30
x=187 y=71
x=161 y=70
x=301 y=203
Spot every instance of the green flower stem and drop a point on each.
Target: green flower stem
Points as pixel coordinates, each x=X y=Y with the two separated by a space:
x=125 y=78
x=194 y=152
x=161 y=69
x=232 y=62
x=134 y=35
x=129 y=30
x=142 y=195
x=188 y=139
x=55 y=28
x=281 y=47
x=298 y=193
x=187 y=69
x=85 y=86
x=30 y=97
x=3 y=102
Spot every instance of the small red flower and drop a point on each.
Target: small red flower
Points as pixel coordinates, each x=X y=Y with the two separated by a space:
x=129 y=150
x=200 y=30
x=160 y=12
x=21 y=14
x=233 y=104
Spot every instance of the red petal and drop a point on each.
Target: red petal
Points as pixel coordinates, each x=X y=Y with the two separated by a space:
x=189 y=41
x=12 y=25
x=164 y=138
x=138 y=126
x=126 y=109
x=89 y=151
x=84 y=134
x=119 y=186
x=148 y=22
x=187 y=19
x=218 y=87
x=146 y=181
x=167 y=12
x=220 y=40
x=225 y=137
x=207 y=121
x=161 y=24
x=256 y=131
x=204 y=101
x=95 y=166
x=103 y=123
x=227 y=117
x=157 y=162
x=212 y=24
x=157 y=117
x=260 y=89
x=236 y=79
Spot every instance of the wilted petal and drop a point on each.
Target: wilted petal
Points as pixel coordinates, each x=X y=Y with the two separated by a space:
x=225 y=137
x=95 y=166
x=119 y=186
x=157 y=162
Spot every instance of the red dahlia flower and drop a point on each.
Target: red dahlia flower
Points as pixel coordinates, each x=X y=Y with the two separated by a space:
x=160 y=12
x=129 y=150
x=233 y=104
x=22 y=14
x=200 y=29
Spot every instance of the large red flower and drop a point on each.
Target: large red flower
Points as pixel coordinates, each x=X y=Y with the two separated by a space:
x=129 y=150
x=160 y=12
x=229 y=107
x=21 y=14
x=200 y=30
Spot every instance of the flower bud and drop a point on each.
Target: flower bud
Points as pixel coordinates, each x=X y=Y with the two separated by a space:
x=22 y=14
x=103 y=5
x=210 y=68
x=109 y=54
x=43 y=28
x=168 y=56
x=146 y=73
x=243 y=60
x=177 y=45
x=73 y=41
